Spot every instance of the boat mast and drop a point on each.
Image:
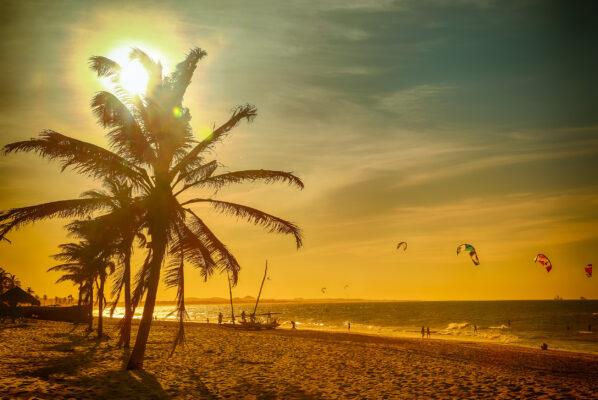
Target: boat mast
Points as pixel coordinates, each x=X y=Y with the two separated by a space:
x=230 y=292
x=260 y=293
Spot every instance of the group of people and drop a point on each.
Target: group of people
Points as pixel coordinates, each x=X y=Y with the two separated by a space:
x=425 y=332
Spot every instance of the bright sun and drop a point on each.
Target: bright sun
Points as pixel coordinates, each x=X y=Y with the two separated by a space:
x=133 y=77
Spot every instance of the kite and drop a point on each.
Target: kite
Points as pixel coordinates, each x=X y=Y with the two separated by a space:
x=472 y=252
x=346 y=286
x=323 y=290
x=589 y=270
x=404 y=244
x=542 y=259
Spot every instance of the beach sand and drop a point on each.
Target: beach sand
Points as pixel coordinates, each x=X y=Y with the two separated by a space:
x=57 y=360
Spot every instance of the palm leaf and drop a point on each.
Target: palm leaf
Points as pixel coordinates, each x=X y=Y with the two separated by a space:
x=85 y=158
x=104 y=67
x=190 y=160
x=257 y=217
x=218 y=250
x=126 y=136
x=218 y=181
x=181 y=78
x=16 y=217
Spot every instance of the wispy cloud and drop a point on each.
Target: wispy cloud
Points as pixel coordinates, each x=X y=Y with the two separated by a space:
x=415 y=103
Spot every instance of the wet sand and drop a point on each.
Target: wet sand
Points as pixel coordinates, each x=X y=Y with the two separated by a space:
x=57 y=360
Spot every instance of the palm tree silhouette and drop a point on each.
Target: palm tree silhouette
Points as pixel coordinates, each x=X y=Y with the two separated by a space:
x=154 y=151
x=87 y=261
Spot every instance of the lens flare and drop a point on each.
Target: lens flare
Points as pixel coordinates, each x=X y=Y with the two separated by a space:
x=178 y=112
x=205 y=133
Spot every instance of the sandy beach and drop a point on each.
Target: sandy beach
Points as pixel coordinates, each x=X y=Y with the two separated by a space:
x=43 y=360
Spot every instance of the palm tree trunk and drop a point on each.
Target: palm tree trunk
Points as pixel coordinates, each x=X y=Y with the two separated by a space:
x=137 y=355
x=125 y=337
x=80 y=296
x=90 y=305
x=101 y=307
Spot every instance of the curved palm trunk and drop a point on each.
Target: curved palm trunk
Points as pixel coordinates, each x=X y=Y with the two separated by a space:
x=101 y=307
x=159 y=249
x=125 y=333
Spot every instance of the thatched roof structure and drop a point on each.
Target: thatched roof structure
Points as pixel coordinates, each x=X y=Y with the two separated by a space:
x=17 y=295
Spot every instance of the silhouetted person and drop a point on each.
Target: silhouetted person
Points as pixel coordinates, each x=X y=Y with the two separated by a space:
x=219 y=318
x=475 y=329
x=349 y=326
x=509 y=323
x=243 y=316
x=207 y=320
x=423 y=332
x=293 y=323
x=544 y=346
x=428 y=332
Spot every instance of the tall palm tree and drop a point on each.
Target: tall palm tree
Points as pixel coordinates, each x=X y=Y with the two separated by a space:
x=154 y=151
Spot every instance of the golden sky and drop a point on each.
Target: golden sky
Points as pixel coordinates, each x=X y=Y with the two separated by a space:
x=436 y=123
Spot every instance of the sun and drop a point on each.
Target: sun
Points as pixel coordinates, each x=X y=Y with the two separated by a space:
x=133 y=76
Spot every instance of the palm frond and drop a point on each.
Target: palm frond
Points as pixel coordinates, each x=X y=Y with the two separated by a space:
x=271 y=223
x=16 y=217
x=218 y=251
x=190 y=160
x=104 y=67
x=152 y=67
x=85 y=158
x=218 y=181
x=181 y=77
x=194 y=250
x=176 y=277
x=126 y=136
x=141 y=281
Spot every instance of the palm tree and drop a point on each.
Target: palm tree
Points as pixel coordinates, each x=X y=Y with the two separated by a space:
x=154 y=151
x=87 y=261
x=45 y=299
x=30 y=291
x=122 y=224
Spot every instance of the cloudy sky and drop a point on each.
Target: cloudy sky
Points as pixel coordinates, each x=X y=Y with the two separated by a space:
x=431 y=122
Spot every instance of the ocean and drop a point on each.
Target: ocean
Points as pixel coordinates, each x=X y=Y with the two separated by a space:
x=562 y=324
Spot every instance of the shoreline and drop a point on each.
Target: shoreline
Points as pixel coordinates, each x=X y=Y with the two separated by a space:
x=59 y=360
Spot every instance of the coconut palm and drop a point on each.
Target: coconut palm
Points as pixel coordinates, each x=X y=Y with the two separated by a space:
x=86 y=261
x=154 y=151
x=30 y=291
x=121 y=225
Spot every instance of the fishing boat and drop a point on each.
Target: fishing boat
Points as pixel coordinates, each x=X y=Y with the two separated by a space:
x=254 y=323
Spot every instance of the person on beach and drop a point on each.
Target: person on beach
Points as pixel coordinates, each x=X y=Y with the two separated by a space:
x=428 y=332
x=293 y=323
x=349 y=326
x=509 y=323
x=475 y=329
x=219 y=318
x=423 y=332
x=243 y=316
x=207 y=320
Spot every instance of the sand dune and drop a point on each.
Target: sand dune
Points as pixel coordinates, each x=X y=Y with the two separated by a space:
x=58 y=360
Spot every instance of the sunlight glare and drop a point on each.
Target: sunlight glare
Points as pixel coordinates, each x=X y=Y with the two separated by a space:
x=133 y=77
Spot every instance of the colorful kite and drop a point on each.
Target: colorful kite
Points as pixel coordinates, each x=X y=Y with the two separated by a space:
x=589 y=270
x=472 y=252
x=542 y=259
x=404 y=244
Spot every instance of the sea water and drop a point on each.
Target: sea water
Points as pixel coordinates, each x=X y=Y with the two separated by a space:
x=562 y=324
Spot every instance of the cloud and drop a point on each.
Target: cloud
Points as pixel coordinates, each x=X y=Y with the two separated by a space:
x=415 y=103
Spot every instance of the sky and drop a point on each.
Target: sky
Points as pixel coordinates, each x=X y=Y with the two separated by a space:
x=432 y=122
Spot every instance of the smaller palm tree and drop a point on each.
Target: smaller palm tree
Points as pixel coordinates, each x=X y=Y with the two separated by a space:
x=45 y=299
x=30 y=291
